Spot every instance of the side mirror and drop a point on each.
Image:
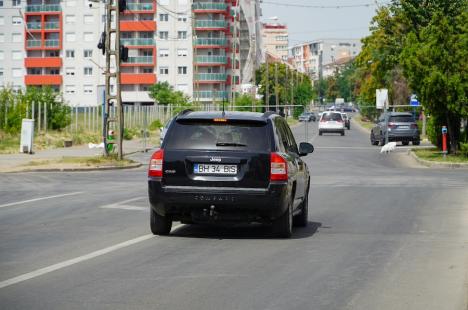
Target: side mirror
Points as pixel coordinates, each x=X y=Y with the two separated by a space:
x=305 y=148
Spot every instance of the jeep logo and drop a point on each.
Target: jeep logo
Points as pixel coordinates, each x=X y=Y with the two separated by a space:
x=215 y=159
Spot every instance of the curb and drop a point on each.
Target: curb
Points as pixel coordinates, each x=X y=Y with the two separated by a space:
x=432 y=164
x=78 y=169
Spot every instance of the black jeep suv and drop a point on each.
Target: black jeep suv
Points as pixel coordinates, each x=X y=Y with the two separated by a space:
x=228 y=167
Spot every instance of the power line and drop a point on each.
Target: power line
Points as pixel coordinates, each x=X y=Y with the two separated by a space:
x=341 y=6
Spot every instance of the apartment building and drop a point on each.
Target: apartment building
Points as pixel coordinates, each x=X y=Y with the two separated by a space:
x=202 y=48
x=275 y=39
x=321 y=58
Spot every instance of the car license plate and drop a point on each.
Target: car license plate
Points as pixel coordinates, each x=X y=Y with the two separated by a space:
x=214 y=169
x=403 y=127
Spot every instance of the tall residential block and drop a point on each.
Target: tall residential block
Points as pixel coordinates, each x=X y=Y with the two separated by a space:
x=205 y=49
x=275 y=40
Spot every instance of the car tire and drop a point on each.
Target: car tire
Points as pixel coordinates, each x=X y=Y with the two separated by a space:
x=343 y=133
x=302 y=219
x=404 y=142
x=320 y=133
x=372 y=139
x=160 y=225
x=282 y=226
x=382 y=140
x=416 y=142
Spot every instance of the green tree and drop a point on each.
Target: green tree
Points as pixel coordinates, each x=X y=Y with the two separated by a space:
x=162 y=93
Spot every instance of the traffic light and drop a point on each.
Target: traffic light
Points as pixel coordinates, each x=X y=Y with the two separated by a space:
x=123 y=53
x=122 y=5
x=102 y=43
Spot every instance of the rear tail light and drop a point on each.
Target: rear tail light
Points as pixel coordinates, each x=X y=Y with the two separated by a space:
x=156 y=164
x=278 y=168
x=391 y=125
x=322 y=120
x=414 y=126
x=339 y=121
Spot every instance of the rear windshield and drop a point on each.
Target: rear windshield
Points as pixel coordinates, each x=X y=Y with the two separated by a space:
x=331 y=117
x=206 y=135
x=402 y=119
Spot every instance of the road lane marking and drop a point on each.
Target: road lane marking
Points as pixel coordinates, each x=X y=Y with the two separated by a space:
x=348 y=147
x=122 y=205
x=77 y=260
x=38 y=199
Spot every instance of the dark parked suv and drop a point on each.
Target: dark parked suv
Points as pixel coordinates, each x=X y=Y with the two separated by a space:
x=229 y=167
x=401 y=126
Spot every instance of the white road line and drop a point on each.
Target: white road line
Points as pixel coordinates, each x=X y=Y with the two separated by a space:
x=126 y=207
x=348 y=147
x=37 y=199
x=118 y=205
x=77 y=260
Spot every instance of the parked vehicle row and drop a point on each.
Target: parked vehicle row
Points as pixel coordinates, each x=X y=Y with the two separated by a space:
x=229 y=167
x=307 y=117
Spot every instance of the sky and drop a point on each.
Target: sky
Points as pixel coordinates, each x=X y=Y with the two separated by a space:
x=307 y=24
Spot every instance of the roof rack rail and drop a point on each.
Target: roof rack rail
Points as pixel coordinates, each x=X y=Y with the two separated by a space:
x=268 y=113
x=185 y=112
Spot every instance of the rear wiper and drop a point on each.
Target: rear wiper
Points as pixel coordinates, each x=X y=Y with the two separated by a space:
x=229 y=144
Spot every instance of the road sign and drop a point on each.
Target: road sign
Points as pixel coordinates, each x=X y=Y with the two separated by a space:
x=414 y=101
x=381 y=98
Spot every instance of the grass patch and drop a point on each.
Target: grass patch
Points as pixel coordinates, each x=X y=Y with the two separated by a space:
x=292 y=121
x=364 y=122
x=9 y=143
x=96 y=161
x=435 y=155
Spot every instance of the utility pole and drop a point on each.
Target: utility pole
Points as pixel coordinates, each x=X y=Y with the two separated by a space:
x=113 y=8
x=267 y=89
x=254 y=77
x=276 y=88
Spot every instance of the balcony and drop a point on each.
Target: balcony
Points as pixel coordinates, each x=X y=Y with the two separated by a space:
x=43 y=62
x=34 y=8
x=52 y=43
x=209 y=7
x=43 y=79
x=33 y=43
x=34 y=25
x=52 y=25
x=210 y=24
x=208 y=94
x=139 y=60
x=210 y=77
x=140 y=7
x=137 y=78
x=210 y=42
x=138 y=42
x=211 y=60
x=141 y=25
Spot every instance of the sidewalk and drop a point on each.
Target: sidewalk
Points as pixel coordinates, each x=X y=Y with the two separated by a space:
x=15 y=160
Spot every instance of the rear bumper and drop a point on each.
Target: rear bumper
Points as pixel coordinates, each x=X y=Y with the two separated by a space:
x=403 y=136
x=230 y=204
x=341 y=129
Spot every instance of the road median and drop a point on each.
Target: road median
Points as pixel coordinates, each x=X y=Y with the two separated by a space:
x=432 y=158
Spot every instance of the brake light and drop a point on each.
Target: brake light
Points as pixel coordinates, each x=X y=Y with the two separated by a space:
x=414 y=126
x=322 y=120
x=339 y=121
x=156 y=164
x=278 y=168
x=391 y=125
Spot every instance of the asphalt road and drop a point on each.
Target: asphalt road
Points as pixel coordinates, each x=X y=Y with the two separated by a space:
x=383 y=234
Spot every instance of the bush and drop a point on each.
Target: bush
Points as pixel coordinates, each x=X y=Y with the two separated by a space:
x=130 y=133
x=464 y=149
x=155 y=125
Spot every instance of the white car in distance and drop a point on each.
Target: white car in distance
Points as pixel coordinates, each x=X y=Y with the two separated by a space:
x=331 y=122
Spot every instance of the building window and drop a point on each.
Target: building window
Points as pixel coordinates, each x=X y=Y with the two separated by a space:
x=164 y=35
x=147 y=70
x=70 y=89
x=16 y=37
x=88 y=19
x=53 y=54
x=88 y=37
x=1 y=72
x=70 y=19
x=182 y=52
x=16 y=20
x=182 y=70
x=54 y=71
x=70 y=71
x=164 y=70
x=16 y=55
x=88 y=71
x=181 y=34
x=163 y=52
x=70 y=37
x=16 y=2
x=163 y=17
x=70 y=53
x=88 y=89
x=1 y=3
x=88 y=53
x=17 y=72
x=182 y=18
